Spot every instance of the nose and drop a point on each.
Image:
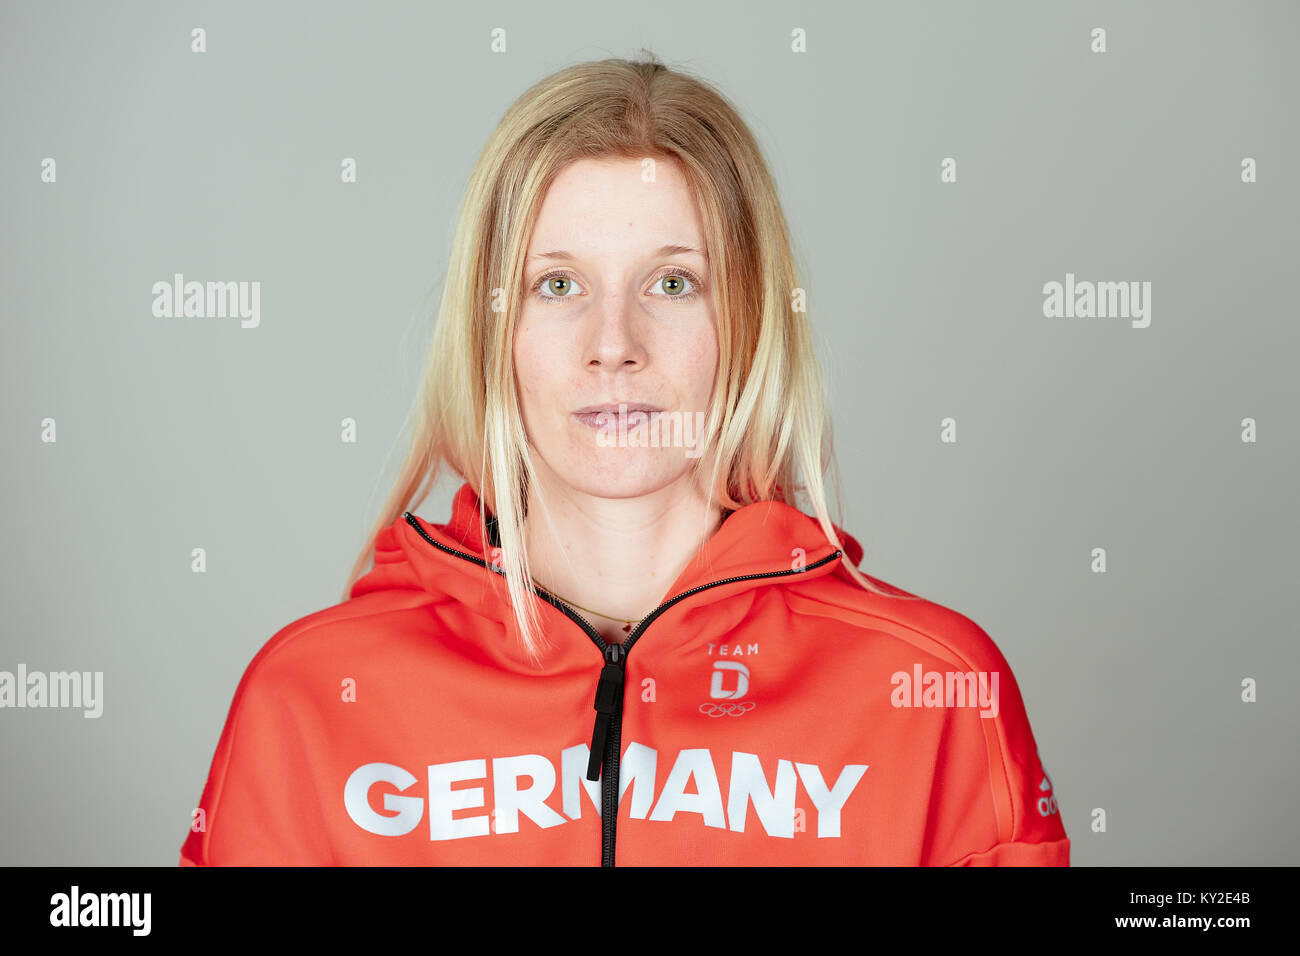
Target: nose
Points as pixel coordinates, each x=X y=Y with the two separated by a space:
x=617 y=337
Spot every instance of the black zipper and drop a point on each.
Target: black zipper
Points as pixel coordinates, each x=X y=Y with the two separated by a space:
x=606 y=734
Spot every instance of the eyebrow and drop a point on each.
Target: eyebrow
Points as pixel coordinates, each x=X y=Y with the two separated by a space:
x=672 y=249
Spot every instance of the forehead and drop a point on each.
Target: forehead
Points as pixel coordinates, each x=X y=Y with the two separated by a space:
x=615 y=205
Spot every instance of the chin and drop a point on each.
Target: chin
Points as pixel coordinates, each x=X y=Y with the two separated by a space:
x=624 y=479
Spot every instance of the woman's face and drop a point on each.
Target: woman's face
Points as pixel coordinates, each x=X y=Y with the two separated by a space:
x=612 y=316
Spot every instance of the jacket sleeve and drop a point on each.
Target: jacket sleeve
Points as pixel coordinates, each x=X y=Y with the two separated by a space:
x=1028 y=822
x=993 y=801
x=260 y=804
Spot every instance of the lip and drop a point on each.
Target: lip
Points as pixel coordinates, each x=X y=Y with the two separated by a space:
x=611 y=413
x=615 y=406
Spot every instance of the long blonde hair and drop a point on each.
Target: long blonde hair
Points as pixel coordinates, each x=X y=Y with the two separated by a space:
x=767 y=428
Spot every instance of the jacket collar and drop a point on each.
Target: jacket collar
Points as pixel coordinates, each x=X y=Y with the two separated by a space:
x=759 y=544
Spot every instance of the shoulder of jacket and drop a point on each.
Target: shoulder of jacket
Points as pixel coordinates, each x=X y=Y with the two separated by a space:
x=909 y=618
x=340 y=626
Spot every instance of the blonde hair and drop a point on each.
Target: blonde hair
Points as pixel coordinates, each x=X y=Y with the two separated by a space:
x=767 y=426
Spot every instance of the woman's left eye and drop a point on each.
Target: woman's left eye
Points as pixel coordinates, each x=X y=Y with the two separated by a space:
x=675 y=285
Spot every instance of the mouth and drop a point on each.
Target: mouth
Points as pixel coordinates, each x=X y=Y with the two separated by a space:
x=624 y=415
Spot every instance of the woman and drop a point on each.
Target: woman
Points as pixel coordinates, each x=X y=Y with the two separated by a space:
x=628 y=644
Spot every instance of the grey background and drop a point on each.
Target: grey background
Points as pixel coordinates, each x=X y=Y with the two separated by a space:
x=926 y=297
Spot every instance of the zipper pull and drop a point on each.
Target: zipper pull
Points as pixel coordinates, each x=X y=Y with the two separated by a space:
x=609 y=701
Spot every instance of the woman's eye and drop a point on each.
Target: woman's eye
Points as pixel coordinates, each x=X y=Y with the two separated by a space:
x=675 y=285
x=558 y=287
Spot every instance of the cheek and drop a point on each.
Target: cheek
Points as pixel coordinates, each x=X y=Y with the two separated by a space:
x=699 y=361
x=539 y=366
x=531 y=360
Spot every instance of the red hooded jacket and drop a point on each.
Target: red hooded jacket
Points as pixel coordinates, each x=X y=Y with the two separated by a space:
x=770 y=712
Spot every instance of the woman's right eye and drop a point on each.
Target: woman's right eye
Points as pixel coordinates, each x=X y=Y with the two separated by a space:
x=554 y=287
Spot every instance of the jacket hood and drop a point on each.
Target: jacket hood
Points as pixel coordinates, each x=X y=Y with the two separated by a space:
x=759 y=544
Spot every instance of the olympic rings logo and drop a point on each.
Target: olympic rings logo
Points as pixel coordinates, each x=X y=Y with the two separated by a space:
x=730 y=710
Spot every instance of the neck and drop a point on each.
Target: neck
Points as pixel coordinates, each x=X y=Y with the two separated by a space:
x=616 y=555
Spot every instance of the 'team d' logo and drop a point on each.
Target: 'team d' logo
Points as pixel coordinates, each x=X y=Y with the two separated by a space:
x=734 y=706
